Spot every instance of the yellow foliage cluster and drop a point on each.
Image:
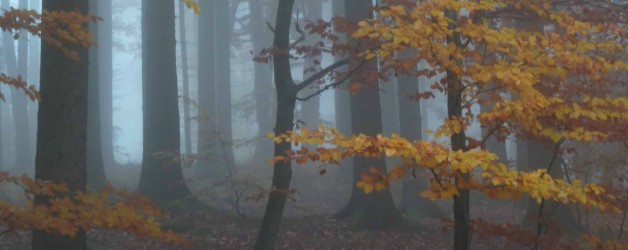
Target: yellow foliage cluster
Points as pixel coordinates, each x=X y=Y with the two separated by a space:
x=540 y=73
x=66 y=215
x=496 y=180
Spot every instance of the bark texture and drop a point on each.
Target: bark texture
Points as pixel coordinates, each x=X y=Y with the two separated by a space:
x=61 y=140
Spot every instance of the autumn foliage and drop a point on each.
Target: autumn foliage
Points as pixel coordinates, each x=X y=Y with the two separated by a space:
x=550 y=81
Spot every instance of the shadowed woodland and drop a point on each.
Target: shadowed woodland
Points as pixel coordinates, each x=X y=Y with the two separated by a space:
x=313 y=124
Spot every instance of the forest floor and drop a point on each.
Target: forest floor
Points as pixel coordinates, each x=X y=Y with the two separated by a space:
x=309 y=221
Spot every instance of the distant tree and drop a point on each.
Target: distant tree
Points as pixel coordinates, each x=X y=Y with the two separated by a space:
x=161 y=179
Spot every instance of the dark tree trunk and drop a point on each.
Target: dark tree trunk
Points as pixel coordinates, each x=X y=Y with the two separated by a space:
x=377 y=209
x=207 y=143
x=462 y=234
x=265 y=99
x=286 y=100
x=61 y=140
x=187 y=137
x=18 y=66
x=95 y=169
x=310 y=109
x=390 y=109
x=161 y=179
x=105 y=48
x=411 y=128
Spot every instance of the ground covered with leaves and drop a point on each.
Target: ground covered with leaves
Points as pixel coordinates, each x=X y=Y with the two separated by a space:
x=309 y=221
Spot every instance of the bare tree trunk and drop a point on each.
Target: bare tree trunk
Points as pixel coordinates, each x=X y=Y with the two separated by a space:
x=95 y=169
x=34 y=46
x=207 y=143
x=410 y=127
x=286 y=101
x=187 y=137
x=105 y=48
x=19 y=66
x=377 y=209
x=265 y=99
x=310 y=109
x=61 y=144
x=161 y=179
x=342 y=107
x=224 y=29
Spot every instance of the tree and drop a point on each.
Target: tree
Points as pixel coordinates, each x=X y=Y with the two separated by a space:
x=546 y=71
x=376 y=210
x=105 y=62
x=95 y=168
x=185 y=78
x=18 y=66
x=265 y=100
x=287 y=95
x=161 y=179
x=310 y=110
x=62 y=119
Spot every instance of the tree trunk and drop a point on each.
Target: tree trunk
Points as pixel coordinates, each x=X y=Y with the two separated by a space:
x=34 y=46
x=411 y=128
x=286 y=100
x=342 y=106
x=207 y=143
x=61 y=141
x=222 y=56
x=187 y=138
x=377 y=209
x=105 y=48
x=265 y=99
x=462 y=234
x=310 y=109
x=161 y=179
x=95 y=169
x=19 y=66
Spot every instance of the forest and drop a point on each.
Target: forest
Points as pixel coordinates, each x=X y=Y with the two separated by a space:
x=313 y=124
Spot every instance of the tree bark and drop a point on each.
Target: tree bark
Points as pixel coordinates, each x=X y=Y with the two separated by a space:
x=187 y=137
x=286 y=100
x=61 y=141
x=377 y=209
x=222 y=56
x=95 y=168
x=105 y=48
x=161 y=179
x=462 y=234
x=34 y=46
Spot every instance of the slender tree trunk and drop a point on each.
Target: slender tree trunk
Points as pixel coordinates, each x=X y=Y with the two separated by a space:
x=95 y=169
x=377 y=209
x=161 y=179
x=310 y=109
x=462 y=234
x=410 y=127
x=34 y=45
x=206 y=92
x=186 y=80
x=61 y=141
x=286 y=100
x=19 y=66
x=342 y=106
x=265 y=99
x=105 y=48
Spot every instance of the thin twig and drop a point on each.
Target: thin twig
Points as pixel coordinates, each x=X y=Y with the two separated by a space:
x=323 y=89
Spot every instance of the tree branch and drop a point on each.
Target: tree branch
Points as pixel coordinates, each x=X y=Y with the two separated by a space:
x=321 y=90
x=322 y=73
